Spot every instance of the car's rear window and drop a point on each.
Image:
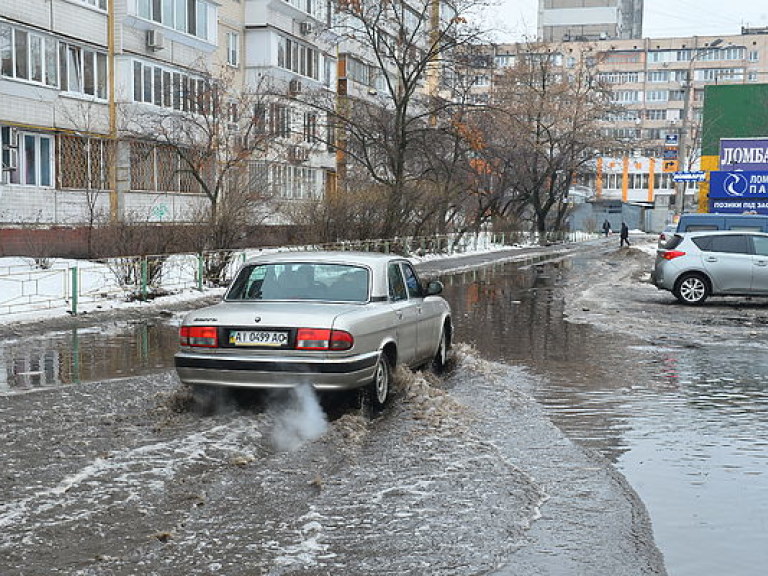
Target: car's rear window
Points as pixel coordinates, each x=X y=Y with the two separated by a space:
x=301 y=281
x=700 y=227
x=673 y=242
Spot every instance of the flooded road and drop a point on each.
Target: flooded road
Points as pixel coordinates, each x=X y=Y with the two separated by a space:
x=685 y=425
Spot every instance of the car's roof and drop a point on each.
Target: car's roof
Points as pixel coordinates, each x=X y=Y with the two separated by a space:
x=696 y=233
x=332 y=257
x=699 y=233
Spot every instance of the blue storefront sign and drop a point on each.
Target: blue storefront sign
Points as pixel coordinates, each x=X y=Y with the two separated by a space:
x=743 y=154
x=737 y=192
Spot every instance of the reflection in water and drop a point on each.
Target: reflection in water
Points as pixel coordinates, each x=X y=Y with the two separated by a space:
x=516 y=315
x=86 y=354
x=686 y=426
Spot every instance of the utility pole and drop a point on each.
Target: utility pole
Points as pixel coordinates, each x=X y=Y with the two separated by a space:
x=683 y=152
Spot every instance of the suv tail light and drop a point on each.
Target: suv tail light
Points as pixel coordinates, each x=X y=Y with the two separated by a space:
x=199 y=336
x=322 y=339
x=672 y=254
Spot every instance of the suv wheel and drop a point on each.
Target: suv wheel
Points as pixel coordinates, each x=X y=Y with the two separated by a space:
x=691 y=289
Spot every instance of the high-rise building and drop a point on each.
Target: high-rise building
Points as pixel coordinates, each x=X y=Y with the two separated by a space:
x=564 y=20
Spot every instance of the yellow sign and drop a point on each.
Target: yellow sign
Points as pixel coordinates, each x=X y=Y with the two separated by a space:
x=670 y=166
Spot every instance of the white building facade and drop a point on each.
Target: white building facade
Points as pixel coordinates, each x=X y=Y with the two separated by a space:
x=73 y=73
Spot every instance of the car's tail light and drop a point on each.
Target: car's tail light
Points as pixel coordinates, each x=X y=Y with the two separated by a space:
x=322 y=339
x=199 y=336
x=672 y=254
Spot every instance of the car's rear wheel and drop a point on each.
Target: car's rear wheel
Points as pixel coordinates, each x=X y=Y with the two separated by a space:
x=378 y=391
x=691 y=289
x=441 y=356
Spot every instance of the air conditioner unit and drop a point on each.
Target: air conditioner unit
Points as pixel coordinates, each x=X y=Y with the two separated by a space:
x=155 y=40
x=294 y=87
x=305 y=28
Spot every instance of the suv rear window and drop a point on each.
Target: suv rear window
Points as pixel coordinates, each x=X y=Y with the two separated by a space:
x=673 y=242
x=736 y=244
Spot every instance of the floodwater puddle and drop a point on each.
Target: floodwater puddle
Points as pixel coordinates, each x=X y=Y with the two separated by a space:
x=685 y=425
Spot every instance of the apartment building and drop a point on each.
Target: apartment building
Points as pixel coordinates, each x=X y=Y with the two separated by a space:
x=74 y=75
x=584 y=20
x=659 y=84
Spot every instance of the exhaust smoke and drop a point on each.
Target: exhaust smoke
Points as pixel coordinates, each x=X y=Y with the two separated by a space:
x=300 y=420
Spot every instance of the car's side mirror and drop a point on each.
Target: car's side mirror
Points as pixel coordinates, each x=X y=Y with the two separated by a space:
x=434 y=288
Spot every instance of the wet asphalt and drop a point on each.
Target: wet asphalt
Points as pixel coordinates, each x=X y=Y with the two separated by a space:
x=463 y=474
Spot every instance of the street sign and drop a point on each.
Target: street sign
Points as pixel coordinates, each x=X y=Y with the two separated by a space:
x=671 y=140
x=669 y=166
x=693 y=176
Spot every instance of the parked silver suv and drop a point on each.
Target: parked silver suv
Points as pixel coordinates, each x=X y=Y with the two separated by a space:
x=696 y=265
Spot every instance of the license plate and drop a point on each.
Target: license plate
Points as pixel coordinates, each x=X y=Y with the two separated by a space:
x=272 y=339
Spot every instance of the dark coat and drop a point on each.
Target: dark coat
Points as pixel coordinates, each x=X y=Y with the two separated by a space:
x=624 y=230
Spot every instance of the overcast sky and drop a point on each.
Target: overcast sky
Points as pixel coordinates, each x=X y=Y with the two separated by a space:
x=661 y=18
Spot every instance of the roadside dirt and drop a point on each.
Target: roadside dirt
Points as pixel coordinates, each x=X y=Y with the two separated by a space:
x=615 y=294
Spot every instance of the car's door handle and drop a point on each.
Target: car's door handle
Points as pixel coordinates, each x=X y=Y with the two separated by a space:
x=710 y=259
x=761 y=263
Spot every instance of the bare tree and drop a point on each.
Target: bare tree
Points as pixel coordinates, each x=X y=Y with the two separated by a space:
x=396 y=56
x=546 y=130
x=211 y=142
x=85 y=160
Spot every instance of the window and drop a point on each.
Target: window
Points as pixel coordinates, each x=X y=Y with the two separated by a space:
x=657 y=96
x=6 y=50
x=310 y=127
x=729 y=244
x=22 y=56
x=412 y=282
x=358 y=71
x=658 y=76
x=83 y=71
x=101 y=4
x=298 y=58
x=619 y=77
x=761 y=245
x=280 y=124
x=754 y=56
x=625 y=96
x=28 y=56
x=662 y=56
x=397 y=289
x=190 y=16
x=35 y=160
x=658 y=114
x=163 y=87
x=233 y=49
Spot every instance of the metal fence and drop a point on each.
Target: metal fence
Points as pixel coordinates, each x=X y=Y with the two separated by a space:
x=70 y=284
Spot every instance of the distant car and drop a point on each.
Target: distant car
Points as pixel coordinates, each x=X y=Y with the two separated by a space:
x=696 y=265
x=335 y=320
x=666 y=234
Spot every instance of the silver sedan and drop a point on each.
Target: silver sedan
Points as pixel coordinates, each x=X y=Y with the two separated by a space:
x=335 y=320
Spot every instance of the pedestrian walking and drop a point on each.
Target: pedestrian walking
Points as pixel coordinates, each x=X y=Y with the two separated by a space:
x=624 y=235
x=606 y=227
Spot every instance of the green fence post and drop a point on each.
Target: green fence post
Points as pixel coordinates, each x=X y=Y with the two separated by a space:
x=200 y=271
x=144 y=278
x=75 y=290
